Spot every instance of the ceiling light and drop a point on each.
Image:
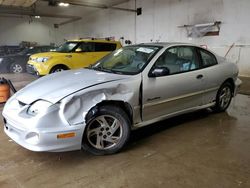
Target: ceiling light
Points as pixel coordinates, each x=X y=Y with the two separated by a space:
x=37 y=17
x=61 y=4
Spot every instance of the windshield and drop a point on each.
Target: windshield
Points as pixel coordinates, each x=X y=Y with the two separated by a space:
x=128 y=60
x=28 y=51
x=66 y=47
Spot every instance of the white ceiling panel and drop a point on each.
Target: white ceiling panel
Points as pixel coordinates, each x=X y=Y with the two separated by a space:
x=17 y=3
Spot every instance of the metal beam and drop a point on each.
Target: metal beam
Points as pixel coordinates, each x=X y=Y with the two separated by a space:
x=17 y=3
x=100 y=6
x=31 y=12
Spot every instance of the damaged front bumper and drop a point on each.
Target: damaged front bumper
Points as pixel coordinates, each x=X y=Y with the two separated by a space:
x=47 y=133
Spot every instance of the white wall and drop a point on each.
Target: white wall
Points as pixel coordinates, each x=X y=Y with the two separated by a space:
x=159 y=22
x=15 y=30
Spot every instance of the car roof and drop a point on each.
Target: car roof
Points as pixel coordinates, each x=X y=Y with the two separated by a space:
x=40 y=47
x=166 y=44
x=93 y=40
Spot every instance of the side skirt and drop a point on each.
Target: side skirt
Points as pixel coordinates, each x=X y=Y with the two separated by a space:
x=142 y=124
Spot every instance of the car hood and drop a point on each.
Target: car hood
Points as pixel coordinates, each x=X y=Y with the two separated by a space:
x=11 y=56
x=56 y=86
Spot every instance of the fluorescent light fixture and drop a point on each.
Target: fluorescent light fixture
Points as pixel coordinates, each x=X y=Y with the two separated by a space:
x=37 y=17
x=61 y=4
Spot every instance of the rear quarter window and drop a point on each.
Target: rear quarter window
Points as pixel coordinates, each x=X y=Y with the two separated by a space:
x=207 y=58
x=104 y=47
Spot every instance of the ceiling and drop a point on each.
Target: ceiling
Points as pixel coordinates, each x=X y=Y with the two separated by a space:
x=105 y=3
x=78 y=8
x=44 y=6
x=17 y=3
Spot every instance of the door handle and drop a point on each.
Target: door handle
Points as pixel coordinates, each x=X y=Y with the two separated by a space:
x=200 y=76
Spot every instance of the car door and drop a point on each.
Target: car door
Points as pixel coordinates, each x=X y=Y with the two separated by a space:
x=90 y=52
x=103 y=48
x=213 y=74
x=83 y=55
x=178 y=91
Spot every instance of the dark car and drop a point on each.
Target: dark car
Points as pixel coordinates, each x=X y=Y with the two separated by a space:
x=16 y=63
x=8 y=49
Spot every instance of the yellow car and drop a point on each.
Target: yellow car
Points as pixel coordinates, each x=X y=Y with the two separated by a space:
x=73 y=54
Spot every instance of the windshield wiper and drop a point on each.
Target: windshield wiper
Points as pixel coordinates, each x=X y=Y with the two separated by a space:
x=96 y=68
x=105 y=70
x=116 y=71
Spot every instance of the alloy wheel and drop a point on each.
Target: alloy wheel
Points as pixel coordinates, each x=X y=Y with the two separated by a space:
x=16 y=68
x=104 y=132
x=225 y=97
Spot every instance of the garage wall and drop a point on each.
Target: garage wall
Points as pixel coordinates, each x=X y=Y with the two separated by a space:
x=160 y=20
x=15 y=30
x=42 y=31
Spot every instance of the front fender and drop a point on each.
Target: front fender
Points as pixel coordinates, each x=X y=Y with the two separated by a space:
x=76 y=106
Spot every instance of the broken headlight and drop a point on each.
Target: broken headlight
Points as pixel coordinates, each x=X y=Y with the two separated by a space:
x=38 y=107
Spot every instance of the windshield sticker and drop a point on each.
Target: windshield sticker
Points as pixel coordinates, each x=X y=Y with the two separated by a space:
x=145 y=50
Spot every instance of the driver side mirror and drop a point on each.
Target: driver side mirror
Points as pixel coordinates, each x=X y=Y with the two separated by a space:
x=159 y=71
x=78 y=50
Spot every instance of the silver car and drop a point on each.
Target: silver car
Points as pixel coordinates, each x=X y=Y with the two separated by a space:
x=95 y=108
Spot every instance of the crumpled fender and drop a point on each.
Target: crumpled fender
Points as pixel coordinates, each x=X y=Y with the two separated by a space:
x=75 y=107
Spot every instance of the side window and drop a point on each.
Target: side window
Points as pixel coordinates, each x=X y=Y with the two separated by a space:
x=45 y=49
x=33 y=51
x=207 y=58
x=104 y=47
x=87 y=47
x=179 y=59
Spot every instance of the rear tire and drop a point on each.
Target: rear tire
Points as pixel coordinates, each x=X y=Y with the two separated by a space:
x=107 y=131
x=223 y=98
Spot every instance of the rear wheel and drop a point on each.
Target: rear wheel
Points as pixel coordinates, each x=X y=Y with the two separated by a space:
x=224 y=97
x=107 y=131
x=58 y=68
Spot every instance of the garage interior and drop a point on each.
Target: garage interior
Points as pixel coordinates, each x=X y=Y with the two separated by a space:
x=198 y=149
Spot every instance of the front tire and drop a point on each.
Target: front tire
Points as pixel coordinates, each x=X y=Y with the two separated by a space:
x=107 y=131
x=223 y=98
x=16 y=68
x=58 y=68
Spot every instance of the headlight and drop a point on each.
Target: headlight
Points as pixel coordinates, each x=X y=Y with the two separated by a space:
x=1 y=59
x=38 y=107
x=42 y=59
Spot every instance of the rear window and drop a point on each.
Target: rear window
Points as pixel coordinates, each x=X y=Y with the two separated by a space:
x=104 y=47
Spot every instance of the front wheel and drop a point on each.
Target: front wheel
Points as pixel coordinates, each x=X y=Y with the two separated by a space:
x=58 y=68
x=223 y=98
x=107 y=131
x=16 y=68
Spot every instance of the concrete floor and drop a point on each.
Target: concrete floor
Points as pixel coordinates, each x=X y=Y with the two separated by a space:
x=200 y=149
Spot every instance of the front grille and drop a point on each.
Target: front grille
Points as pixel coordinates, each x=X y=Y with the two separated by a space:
x=30 y=69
